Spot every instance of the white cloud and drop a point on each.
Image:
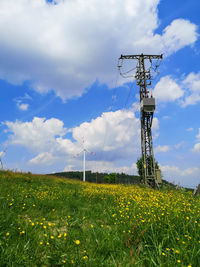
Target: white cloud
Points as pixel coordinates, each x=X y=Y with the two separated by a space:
x=196 y=147
x=159 y=149
x=175 y=36
x=167 y=90
x=38 y=135
x=113 y=136
x=108 y=167
x=191 y=84
x=176 y=170
x=23 y=107
x=67 y=46
x=104 y=167
x=186 y=91
x=188 y=177
x=44 y=158
x=179 y=34
x=112 y=131
x=155 y=128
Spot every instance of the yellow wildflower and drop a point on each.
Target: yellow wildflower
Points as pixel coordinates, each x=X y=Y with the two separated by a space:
x=77 y=242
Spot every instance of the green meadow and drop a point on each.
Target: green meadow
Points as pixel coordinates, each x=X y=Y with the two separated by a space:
x=50 y=221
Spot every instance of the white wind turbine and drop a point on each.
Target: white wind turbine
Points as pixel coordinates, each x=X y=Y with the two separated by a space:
x=84 y=152
x=2 y=154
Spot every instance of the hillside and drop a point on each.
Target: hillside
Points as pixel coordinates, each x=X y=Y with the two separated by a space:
x=97 y=177
x=51 y=221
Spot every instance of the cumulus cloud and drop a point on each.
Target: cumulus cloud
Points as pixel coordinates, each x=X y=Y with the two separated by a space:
x=196 y=147
x=104 y=167
x=23 y=106
x=188 y=177
x=167 y=90
x=38 y=135
x=179 y=34
x=187 y=91
x=44 y=158
x=191 y=85
x=111 y=132
x=175 y=36
x=108 y=167
x=112 y=136
x=66 y=46
x=155 y=128
x=20 y=102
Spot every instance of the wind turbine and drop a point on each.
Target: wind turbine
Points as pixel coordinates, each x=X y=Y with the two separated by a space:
x=84 y=152
x=2 y=154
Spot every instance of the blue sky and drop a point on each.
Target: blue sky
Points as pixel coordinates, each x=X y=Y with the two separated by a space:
x=59 y=82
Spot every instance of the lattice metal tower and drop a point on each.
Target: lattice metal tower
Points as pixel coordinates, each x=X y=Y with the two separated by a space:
x=151 y=175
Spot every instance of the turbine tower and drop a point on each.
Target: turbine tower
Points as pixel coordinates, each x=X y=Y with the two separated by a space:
x=84 y=156
x=151 y=175
x=2 y=154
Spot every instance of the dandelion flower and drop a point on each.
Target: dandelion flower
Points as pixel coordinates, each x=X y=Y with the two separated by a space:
x=77 y=242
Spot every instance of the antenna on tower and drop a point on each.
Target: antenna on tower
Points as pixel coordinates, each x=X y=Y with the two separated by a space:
x=84 y=150
x=2 y=154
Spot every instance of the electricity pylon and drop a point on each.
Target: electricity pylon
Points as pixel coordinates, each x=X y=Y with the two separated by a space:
x=84 y=154
x=151 y=175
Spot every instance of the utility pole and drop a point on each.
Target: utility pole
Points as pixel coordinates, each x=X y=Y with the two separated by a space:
x=151 y=176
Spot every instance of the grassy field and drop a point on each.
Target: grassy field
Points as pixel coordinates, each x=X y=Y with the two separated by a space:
x=49 y=221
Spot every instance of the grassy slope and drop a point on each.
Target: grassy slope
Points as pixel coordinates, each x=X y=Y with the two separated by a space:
x=43 y=219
